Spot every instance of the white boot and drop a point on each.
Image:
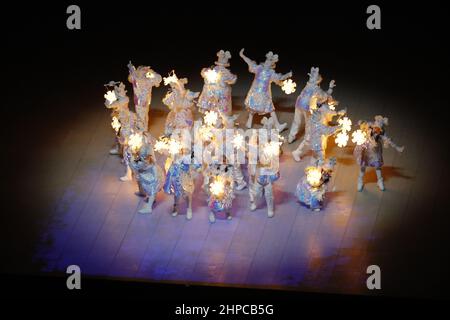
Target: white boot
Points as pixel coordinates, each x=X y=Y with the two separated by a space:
x=229 y=216
x=360 y=184
x=249 y=121
x=189 y=214
x=114 y=151
x=380 y=181
x=282 y=127
x=174 y=209
x=241 y=185
x=291 y=139
x=189 y=209
x=128 y=176
x=296 y=154
x=269 y=200
x=147 y=207
x=212 y=217
x=253 y=193
x=238 y=177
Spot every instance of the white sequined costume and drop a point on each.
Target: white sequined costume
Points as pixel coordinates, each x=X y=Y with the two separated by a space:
x=149 y=175
x=143 y=80
x=317 y=132
x=216 y=93
x=180 y=101
x=302 y=103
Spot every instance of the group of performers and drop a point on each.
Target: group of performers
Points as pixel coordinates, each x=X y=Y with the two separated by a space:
x=209 y=157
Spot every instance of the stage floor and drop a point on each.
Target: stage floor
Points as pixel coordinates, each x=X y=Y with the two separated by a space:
x=95 y=224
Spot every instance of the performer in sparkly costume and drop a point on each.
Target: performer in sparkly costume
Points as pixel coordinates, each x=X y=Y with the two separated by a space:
x=312 y=188
x=216 y=93
x=126 y=123
x=149 y=175
x=180 y=180
x=143 y=80
x=180 y=101
x=220 y=191
x=264 y=173
x=259 y=97
x=311 y=89
x=319 y=129
x=370 y=152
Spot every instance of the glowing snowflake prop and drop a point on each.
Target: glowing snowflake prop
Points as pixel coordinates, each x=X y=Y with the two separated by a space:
x=205 y=133
x=272 y=149
x=115 y=124
x=135 y=141
x=217 y=187
x=161 y=145
x=313 y=176
x=341 y=139
x=288 y=86
x=110 y=96
x=359 y=137
x=345 y=123
x=238 y=141
x=212 y=75
x=172 y=78
x=210 y=118
x=174 y=147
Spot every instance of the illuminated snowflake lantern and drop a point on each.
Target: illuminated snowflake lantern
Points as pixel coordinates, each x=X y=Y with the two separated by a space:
x=135 y=141
x=210 y=118
x=238 y=141
x=115 y=124
x=174 y=147
x=341 y=139
x=359 y=137
x=172 y=78
x=313 y=176
x=205 y=133
x=161 y=145
x=272 y=149
x=288 y=86
x=110 y=96
x=212 y=76
x=217 y=187
x=345 y=123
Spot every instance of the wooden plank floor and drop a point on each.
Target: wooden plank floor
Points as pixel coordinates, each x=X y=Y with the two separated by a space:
x=95 y=223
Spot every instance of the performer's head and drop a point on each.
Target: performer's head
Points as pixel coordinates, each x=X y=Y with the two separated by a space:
x=314 y=76
x=271 y=60
x=222 y=58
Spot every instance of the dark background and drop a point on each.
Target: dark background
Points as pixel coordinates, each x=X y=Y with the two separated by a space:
x=48 y=71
